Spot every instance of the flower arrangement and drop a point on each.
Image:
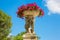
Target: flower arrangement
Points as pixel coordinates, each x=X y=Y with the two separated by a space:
x=30 y=7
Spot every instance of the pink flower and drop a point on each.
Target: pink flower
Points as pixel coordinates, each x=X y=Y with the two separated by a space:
x=42 y=13
x=31 y=7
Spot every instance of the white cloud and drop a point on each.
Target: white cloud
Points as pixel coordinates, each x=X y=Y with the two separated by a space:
x=53 y=6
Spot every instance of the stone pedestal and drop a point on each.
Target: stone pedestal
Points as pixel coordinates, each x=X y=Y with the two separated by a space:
x=30 y=36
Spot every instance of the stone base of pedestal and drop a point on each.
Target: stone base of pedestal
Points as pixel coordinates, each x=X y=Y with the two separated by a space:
x=30 y=36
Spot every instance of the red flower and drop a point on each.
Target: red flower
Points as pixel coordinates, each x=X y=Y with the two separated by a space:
x=31 y=7
x=42 y=12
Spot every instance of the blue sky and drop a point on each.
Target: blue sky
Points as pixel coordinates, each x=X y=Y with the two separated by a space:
x=46 y=27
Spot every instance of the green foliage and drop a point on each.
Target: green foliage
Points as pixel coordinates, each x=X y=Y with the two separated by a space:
x=5 y=25
x=19 y=36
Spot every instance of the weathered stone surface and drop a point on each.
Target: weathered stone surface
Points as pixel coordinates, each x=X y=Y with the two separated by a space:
x=30 y=36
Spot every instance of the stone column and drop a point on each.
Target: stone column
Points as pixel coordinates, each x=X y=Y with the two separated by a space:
x=30 y=36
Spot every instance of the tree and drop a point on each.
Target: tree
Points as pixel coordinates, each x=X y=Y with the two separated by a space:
x=5 y=25
x=19 y=36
